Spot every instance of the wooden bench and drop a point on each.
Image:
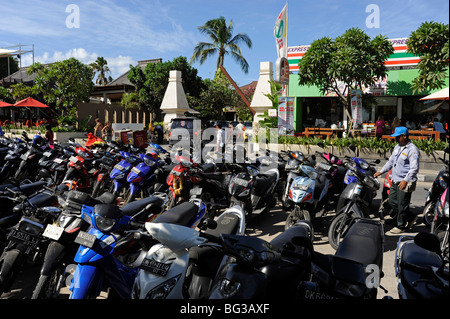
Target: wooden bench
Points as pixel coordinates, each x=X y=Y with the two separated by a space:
x=416 y=135
x=318 y=131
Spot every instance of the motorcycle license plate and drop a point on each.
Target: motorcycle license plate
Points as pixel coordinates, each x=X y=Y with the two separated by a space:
x=119 y=167
x=85 y=239
x=23 y=157
x=196 y=191
x=155 y=267
x=53 y=232
x=58 y=160
x=135 y=170
x=73 y=159
x=241 y=182
x=24 y=238
x=47 y=154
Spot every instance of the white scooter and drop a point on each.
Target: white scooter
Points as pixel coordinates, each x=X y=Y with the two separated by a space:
x=177 y=267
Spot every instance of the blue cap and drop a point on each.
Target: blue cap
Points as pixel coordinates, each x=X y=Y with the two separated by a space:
x=400 y=130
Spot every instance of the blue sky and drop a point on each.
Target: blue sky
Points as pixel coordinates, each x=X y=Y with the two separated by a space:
x=125 y=32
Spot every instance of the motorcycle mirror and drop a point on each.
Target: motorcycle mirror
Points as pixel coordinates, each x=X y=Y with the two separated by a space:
x=320 y=144
x=428 y=241
x=377 y=161
x=208 y=223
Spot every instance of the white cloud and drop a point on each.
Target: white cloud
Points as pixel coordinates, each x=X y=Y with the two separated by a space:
x=117 y=65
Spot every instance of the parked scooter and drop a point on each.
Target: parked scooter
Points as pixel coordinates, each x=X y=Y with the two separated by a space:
x=358 y=198
x=420 y=269
x=354 y=271
x=440 y=224
x=309 y=193
x=24 y=240
x=182 y=265
x=253 y=190
x=29 y=164
x=99 y=259
x=440 y=184
x=62 y=248
x=120 y=171
x=258 y=269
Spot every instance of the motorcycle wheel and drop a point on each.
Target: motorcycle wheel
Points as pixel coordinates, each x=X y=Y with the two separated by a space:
x=428 y=214
x=48 y=285
x=295 y=216
x=338 y=227
x=10 y=263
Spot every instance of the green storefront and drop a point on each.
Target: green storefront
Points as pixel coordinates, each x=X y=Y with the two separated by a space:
x=392 y=96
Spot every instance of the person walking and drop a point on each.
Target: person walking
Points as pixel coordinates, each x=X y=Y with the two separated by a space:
x=379 y=126
x=98 y=128
x=404 y=163
x=107 y=132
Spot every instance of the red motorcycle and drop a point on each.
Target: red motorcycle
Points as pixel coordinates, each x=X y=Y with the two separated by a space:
x=78 y=168
x=178 y=181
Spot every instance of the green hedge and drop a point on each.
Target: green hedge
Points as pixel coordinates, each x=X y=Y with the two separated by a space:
x=372 y=143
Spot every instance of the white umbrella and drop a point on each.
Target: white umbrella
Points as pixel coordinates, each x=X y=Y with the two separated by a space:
x=439 y=95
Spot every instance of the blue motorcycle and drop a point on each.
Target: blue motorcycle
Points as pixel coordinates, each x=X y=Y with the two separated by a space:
x=142 y=175
x=110 y=254
x=120 y=171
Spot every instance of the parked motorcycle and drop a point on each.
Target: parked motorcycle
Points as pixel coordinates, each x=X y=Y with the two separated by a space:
x=440 y=184
x=258 y=269
x=309 y=193
x=440 y=224
x=253 y=190
x=79 y=169
x=12 y=159
x=120 y=171
x=358 y=197
x=29 y=164
x=182 y=265
x=25 y=240
x=354 y=271
x=62 y=248
x=420 y=269
x=109 y=252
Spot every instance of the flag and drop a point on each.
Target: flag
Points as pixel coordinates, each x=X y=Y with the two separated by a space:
x=280 y=32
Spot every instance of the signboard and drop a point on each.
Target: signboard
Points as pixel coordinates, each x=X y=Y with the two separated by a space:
x=356 y=107
x=286 y=115
x=272 y=112
x=282 y=71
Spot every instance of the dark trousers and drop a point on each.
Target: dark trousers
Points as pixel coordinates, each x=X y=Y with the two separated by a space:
x=399 y=201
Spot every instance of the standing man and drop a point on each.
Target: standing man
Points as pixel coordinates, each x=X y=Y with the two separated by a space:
x=220 y=140
x=404 y=163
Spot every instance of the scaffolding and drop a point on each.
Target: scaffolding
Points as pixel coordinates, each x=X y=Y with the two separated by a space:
x=16 y=50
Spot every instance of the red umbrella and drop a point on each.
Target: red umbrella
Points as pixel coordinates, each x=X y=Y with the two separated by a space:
x=4 y=104
x=30 y=102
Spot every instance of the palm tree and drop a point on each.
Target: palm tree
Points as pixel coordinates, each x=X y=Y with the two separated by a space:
x=100 y=66
x=223 y=43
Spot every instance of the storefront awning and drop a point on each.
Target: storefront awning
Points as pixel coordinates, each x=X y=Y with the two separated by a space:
x=439 y=95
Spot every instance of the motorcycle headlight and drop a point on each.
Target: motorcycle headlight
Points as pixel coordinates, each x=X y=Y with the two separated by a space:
x=104 y=224
x=163 y=290
x=253 y=171
x=446 y=209
x=364 y=164
x=228 y=288
x=149 y=162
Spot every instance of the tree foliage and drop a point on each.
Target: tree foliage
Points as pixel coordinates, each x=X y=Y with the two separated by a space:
x=101 y=69
x=151 y=83
x=430 y=41
x=351 y=61
x=63 y=83
x=215 y=97
x=222 y=43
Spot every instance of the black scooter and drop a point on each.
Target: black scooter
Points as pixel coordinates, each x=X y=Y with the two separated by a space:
x=419 y=268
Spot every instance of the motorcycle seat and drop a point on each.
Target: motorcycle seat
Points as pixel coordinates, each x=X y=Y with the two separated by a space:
x=106 y=198
x=207 y=167
x=135 y=207
x=179 y=215
x=415 y=255
x=213 y=175
x=263 y=182
x=363 y=243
